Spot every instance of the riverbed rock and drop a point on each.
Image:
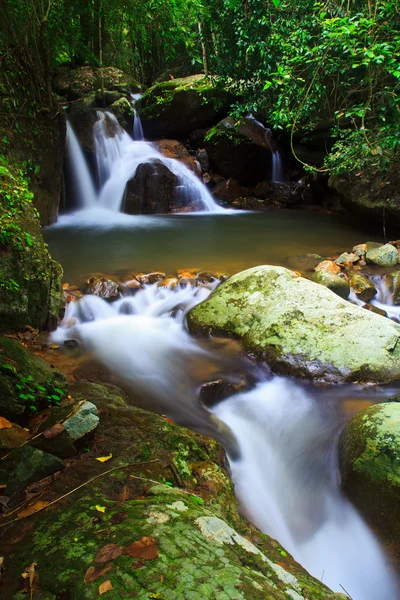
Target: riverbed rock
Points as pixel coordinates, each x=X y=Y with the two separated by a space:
x=27 y=465
x=375 y=309
x=103 y=287
x=174 y=108
x=198 y=545
x=329 y=266
x=151 y=190
x=123 y=111
x=76 y=83
x=369 y=458
x=300 y=328
x=362 y=286
x=175 y=149
x=347 y=257
x=392 y=280
x=383 y=256
x=82 y=118
x=337 y=284
x=21 y=372
x=233 y=154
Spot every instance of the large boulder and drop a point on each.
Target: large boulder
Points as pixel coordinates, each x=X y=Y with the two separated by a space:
x=175 y=108
x=239 y=149
x=159 y=520
x=176 y=150
x=151 y=190
x=76 y=83
x=383 y=256
x=369 y=457
x=123 y=111
x=301 y=328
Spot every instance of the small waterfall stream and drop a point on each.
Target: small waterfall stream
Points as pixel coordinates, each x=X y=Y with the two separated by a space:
x=117 y=158
x=281 y=449
x=138 y=134
x=382 y=300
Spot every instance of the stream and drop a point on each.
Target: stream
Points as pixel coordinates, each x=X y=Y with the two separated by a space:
x=280 y=435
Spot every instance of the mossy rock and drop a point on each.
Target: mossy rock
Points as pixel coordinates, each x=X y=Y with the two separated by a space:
x=335 y=283
x=369 y=457
x=202 y=551
x=122 y=109
x=362 y=286
x=175 y=108
x=301 y=328
x=393 y=282
x=76 y=83
x=17 y=364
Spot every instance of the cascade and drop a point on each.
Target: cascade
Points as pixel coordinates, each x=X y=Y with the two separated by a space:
x=83 y=188
x=382 y=300
x=117 y=158
x=277 y=175
x=138 y=135
x=282 y=452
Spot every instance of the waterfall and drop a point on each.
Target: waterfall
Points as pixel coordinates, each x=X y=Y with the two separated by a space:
x=382 y=300
x=83 y=184
x=138 y=135
x=277 y=168
x=282 y=451
x=117 y=158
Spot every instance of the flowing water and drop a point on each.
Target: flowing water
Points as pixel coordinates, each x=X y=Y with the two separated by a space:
x=382 y=300
x=280 y=436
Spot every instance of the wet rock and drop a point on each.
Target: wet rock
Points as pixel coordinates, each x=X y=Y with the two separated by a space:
x=110 y=96
x=176 y=150
x=151 y=190
x=123 y=111
x=369 y=458
x=202 y=157
x=104 y=288
x=329 y=266
x=337 y=284
x=228 y=190
x=177 y=107
x=82 y=118
x=155 y=276
x=76 y=83
x=215 y=391
x=27 y=465
x=169 y=282
x=375 y=309
x=20 y=367
x=383 y=256
x=360 y=249
x=362 y=286
x=300 y=328
x=13 y=436
x=347 y=257
x=392 y=280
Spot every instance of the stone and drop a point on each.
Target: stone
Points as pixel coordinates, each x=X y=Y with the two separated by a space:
x=104 y=288
x=384 y=256
x=169 y=282
x=228 y=190
x=360 y=249
x=151 y=190
x=392 y=280
x=175 y=108
x=27 y=465
x=375 y=309
x=76 y=83
x=362 y=286
x=337 y=284
x=110 y=96
x=300 y=328
x=12 y=437
x=369 y=459
x=176 y=150
x=122 y=109
x=19 y=366
x=155 y=276
x=202 y=157
x=329 y=266
x=347 y=257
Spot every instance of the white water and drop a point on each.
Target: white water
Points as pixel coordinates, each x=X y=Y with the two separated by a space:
x=138 y=134
x=382 y=300
x=277 y=168
x=83 y=184
x=286 y=476
x=118 y=157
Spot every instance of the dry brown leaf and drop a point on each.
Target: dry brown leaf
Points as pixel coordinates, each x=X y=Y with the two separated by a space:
x=106 y=586
x=125 y=494
x=4 y=424
x=54 y=431
x=33 y=508
x=118 y=518
x=138 y=564
x=145 y=548
x=31 y=575
x=107 y=553
x=94 y=573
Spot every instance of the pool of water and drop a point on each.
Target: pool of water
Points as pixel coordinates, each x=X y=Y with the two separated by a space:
x=113 y=243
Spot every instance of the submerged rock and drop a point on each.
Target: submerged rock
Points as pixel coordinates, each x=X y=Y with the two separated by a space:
x=337 y=284
x=301 y=328
x=369 y=458
x=362 y=286
x=383 y=256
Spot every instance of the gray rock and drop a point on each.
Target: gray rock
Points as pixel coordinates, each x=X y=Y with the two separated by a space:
x=151 y=190
x=104 y=288
x=333 y=282
x=346 y=257
x=383 y=256
x=28 y=465
x=83 y=422
x=301 y=328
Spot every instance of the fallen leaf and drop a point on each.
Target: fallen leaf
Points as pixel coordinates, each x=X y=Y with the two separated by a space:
x=32 y=576
x=125 y=494
x=101 y=509
x=65 y=286
x=94 y=573
x=33 y=508
x=138 y=564
x=145 y=548
x=4 y=424
x=118 y=518
x=104 y=458
x=54 y=431
x=107 y=553
x=105 y=587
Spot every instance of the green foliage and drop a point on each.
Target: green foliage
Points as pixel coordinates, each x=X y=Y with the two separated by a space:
x=35 y=395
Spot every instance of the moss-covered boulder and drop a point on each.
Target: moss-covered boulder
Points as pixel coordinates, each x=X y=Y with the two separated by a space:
x=236 y=150
x=123 y=111
x=383 y=256
x=369 y=456
x=158 y=520
x=335 y=283
x=175 y=108
x=30 y=281
x=25 y=381
x=362 y=286
x=301 y=328
x=76 y=83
